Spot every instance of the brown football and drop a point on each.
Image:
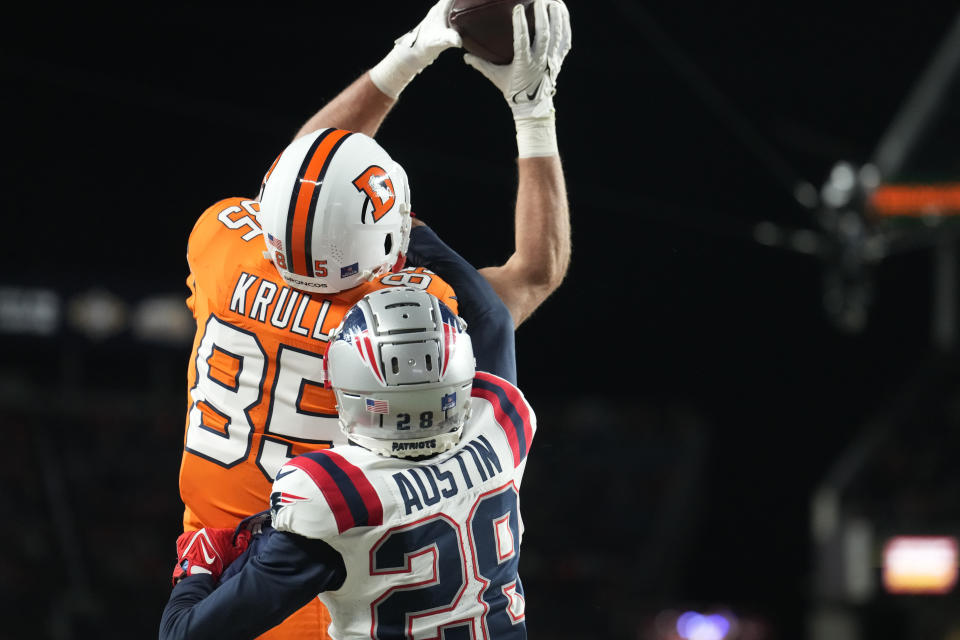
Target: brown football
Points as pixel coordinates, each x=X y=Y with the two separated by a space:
x=486 y=28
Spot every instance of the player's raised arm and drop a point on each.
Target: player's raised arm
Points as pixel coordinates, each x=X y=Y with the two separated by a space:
x=542 y=219
x=364 y=104
x=488 y=319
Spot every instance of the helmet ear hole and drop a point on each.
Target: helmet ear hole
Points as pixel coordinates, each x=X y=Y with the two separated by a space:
x=387 y=244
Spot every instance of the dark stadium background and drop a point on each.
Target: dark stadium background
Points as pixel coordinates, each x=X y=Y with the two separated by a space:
x=693 y=391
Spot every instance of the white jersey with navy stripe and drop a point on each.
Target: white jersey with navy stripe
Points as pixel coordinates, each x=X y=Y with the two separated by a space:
x=431 y=547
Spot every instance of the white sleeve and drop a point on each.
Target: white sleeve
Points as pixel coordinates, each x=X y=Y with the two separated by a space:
x=297 y=505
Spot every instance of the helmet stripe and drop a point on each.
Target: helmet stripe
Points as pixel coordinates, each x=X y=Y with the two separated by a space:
x=371 y=356
x=294 y=196
x=303 y=200
x=448 y=340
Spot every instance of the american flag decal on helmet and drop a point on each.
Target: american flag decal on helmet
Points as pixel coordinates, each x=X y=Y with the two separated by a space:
x=377 y=406
x=275 y=242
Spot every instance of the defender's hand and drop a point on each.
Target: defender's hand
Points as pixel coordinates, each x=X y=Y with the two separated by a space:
x=530 y=80
x=415 y=50
x=208 y=551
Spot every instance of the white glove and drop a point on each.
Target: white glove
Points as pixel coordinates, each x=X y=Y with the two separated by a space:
x=530 y=80
x=415 y=50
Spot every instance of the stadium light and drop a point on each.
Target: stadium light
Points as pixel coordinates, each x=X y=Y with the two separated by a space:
x=920 y=564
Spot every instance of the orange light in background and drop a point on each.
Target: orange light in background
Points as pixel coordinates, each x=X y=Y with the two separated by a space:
x=916 y=200
x=920 y=564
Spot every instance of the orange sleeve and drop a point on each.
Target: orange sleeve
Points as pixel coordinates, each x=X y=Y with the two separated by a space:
x=441 y=289
x=192 y=298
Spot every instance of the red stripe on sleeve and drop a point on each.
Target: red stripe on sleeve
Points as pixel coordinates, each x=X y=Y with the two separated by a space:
x=502 y=418
x=518 y=404
x=331 y=492
x=367 y=493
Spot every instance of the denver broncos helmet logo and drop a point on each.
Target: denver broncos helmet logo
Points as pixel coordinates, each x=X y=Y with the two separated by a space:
x=375 y=182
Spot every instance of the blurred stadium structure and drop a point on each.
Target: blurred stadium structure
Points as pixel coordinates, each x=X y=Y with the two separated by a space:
x=885 y=521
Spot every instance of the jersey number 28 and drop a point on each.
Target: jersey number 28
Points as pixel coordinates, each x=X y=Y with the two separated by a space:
x=493 y=533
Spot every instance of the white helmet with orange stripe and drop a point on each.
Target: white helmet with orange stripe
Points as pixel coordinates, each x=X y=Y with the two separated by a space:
x=401 y=365
x=335 y=211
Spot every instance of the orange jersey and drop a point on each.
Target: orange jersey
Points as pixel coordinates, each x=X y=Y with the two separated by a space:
x=255 y=381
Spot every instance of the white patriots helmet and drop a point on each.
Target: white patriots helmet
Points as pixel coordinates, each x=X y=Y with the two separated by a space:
x=401 y=365
x=335 y=211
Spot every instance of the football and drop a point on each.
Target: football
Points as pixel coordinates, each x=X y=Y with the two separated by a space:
x=486 y=28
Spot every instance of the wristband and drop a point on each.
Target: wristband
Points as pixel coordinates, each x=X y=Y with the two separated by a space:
x=536 y=137
x=391 y=75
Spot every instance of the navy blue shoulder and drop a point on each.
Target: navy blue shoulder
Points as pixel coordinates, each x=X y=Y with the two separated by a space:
x=489 y=322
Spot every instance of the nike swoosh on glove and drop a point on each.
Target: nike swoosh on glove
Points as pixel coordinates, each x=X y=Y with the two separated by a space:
x=529 y=82
x=208 y=551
